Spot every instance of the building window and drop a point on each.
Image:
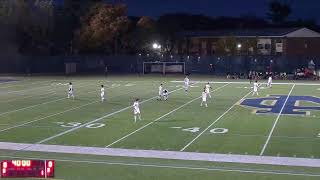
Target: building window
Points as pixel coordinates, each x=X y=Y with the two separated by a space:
x=260 y=46
x=267 y=46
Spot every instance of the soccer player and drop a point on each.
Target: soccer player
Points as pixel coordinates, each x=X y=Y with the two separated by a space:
x=207 y=89
x=186 y=83
x=136 y=110
x=70 y=91
x=204 y=98
x=102 y=93
x=160 y=92
x=165 y=94
x=255 y=88
x=269 y=84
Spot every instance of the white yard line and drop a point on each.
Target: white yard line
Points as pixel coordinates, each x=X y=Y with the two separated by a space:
x=36 y=105
x=174 y=110
x=186 y=146
x=158 y=154
x=168 y=166
x=32 y=106
x=275 y=123
x=96 y=120
x=26 y=97
x=58 y=113
x=22 y=81
x=24 y=90
x=247 y=83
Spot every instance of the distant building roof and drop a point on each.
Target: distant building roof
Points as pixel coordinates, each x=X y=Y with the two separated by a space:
x=266 y=32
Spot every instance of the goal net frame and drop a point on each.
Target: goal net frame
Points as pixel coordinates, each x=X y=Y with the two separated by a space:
x=164 y=67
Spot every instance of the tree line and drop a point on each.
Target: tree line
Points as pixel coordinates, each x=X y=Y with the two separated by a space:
x=68 y=27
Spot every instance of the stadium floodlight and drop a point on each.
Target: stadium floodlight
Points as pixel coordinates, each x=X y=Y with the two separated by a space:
x=239 y=46
x=156 y=46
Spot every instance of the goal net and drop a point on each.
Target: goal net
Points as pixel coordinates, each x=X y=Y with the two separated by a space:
x=164 y=67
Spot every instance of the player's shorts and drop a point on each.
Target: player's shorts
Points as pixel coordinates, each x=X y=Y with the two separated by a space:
x=255 y=89
x=204 y=99
x=70 y=92
x=160 y=93
x=136 y=111
x=207 y=91
x=102 y=94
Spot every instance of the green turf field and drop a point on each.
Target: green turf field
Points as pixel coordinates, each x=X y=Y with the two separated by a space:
x=35 y=111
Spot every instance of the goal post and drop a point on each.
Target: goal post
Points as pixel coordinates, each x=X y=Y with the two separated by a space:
x=164 y=67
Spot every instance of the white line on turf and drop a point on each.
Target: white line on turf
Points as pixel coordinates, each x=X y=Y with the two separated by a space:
x=5 y=87
x=36 y=105
x=242 y=82
x=186 y=146
x=24 y=90
x=95 y=120
x=58 y=113
x=157 y=154
x=159 y=118
x=26 y=97
x=139 y=164
x=32 y=106
x=275 y=122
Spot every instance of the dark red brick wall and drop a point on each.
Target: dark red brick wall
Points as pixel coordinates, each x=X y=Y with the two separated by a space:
x=302 y=47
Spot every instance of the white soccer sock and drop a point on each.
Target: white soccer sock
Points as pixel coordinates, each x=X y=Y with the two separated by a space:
x=135 y=118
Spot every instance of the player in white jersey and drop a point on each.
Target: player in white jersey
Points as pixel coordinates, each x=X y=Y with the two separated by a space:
x=160 y=92
x=204 y=98
x=165 y=94
x=136 y=110
x=70 y=91
x=269 y=84
x=255 y=88
x=186 y=83
x=207 y=89
x=102 y=93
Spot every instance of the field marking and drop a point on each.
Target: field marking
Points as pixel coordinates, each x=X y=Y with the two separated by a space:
x=35 y=105
x=50 y=85
x=32 y=106
x=168 y=166
x=95 y=120
x=23 y=90
x=26 y=97
x=243 y=82
x=58 y=113
x=160 y=154
x=275 y=122
x=159 y=118
x=22 y=81
x=186 y=146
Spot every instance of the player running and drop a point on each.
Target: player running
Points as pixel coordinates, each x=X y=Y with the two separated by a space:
x=204 y=98
x=136 y=110
x=186 y=83
x=269 y=84
x=70 y=91
x=207 y=89
x=160 y=92
x=102 y=93
x=255 y=88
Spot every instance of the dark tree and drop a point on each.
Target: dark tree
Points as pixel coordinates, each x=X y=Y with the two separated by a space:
x=278 y=11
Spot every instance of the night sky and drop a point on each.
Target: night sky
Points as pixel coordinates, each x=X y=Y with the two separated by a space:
x=306 y=9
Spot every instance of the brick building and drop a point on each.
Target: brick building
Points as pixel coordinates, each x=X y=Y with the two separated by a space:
x=268 y=41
